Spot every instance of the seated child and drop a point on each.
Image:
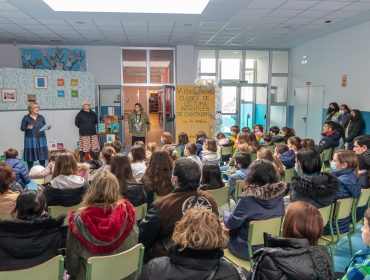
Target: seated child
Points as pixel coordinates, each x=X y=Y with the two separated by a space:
x=242 y=161
x=19 y=169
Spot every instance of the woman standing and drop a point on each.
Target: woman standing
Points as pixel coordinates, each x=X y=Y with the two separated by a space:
x=86 y=121
x=138 y=124
x=355 y=127
x=35 y=144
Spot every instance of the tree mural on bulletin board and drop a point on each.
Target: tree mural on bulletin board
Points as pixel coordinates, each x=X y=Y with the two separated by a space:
x=54 y=59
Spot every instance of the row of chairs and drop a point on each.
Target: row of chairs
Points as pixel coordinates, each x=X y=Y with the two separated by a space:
x=341 y=209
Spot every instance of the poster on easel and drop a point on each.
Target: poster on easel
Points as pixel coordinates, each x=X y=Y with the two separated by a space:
x=195 y=110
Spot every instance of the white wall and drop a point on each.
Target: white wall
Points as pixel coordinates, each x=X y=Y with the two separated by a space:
x=345 y=52
x=186 y=65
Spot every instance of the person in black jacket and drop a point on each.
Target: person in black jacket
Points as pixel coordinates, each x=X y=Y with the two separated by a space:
x=296 y=255
x=332 y=133
x=33 y=237
x=312 y=186
x=86 y=121
x=197 y=252
x=354 y=128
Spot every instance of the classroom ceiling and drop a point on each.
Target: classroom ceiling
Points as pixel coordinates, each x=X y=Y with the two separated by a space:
x=223 y=23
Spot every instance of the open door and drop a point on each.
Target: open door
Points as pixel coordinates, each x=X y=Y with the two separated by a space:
x=168 y=109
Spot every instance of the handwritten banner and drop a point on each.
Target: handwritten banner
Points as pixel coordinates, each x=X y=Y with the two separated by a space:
x=195 y=110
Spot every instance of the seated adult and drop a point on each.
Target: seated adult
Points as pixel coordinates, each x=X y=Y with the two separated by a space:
x=19 y=169
x=199 y=240
x=129 y=189
x=7 y=197
x=157 y=177
x=331 y=136
x=262 y=198
x=310 y=185
x=105 y=225
x=66 y=188
x=156 y=229
x=33 y=237
x=296 y=255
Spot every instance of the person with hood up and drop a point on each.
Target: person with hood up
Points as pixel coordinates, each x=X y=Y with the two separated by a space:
x=104 y=225
x=86 y=121
x=262 y=198
x=310 y=185
x=32 y=237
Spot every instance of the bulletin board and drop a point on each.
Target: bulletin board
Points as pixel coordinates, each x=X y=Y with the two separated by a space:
x=52 y=89
x=195 y=111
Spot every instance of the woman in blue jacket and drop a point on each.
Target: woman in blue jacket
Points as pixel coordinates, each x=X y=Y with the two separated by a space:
x=262 y=198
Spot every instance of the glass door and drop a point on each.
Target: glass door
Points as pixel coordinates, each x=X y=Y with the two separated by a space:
x=229 y=105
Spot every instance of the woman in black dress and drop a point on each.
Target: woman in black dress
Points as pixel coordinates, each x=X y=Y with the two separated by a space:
x=35 y=143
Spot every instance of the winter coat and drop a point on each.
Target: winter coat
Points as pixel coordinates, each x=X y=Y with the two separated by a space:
x=189 y=264
x=7 y=201
x=86 y=122
x=333 y=116
x=63 y=197
x=209 y=157
x=97 y=231
x=135 y=194
x=354 y=129
x=330 y=140
x=344 y=119
x=319 y=190
x=239 y=174
x=155 y=231
x=25 y=244
x=256 y=203
x=291 y=258
x=359 y=266
x=69 y=182
x=20 y=171
x=138 y=124
x=95 y=164
x=199 y=144
x=278 y=138
x=288 y=159
x=349 y=187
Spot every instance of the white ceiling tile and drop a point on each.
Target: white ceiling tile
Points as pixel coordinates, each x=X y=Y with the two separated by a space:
x=358 y=6
x=110 y=27
x=134 y=23
x=7 y=7
x=284 y=13
x=13 y=14
x=107 y=22
x=342 y=14
x=83 y=27
x=330 y=5
x=300 y=20
x=298 y=5
x=253 y=12
x=59 y=27
x=52 y=21
x=265 y=4
x=313 y=13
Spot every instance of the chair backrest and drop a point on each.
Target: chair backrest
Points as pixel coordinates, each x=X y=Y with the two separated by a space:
x=117 y=266
x=364 y=198
x=344 y=207
x=156 y=197
x=226 y=150
x=326 y=213
x=289 y=174
x=178 y=150
x=253 y=156
x=140 y=211
x=221 y=195
x=55 y=211
x=239 y=188
x=51 y=269
x=326 y=157
x=257 y=228
x=5 y=216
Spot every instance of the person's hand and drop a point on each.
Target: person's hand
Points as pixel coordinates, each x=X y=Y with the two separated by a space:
x=30 y=126
x=224 y=227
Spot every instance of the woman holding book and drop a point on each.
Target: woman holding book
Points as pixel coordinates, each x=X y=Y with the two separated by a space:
x=35 y=144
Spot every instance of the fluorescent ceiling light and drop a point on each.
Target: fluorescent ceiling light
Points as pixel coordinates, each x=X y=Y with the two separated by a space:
x=129 y=6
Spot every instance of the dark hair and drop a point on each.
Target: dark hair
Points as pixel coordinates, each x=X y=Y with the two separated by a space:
x=117 y=145
x=138 y=153
x=336 y=108
x=266 y=137
x=308 y=143
x=337 y=127
x=288 y=132
x=244 y=159
x=211 y=175
x=330 y=124
x=200 y=134
x=210 y=145
x=303 y=220
x=95 y=154
x=158 y=175
x=260 y=127
x=30 y=205
x=345 y=107
x=357 y=113
x=262 y=172
x=363 y=140
x=121 y=168
x=274 y=129
x=235 y=129
x=188 y=173
x=282 y=148
x=139 y=104
x=246 y=129
x=7 y=177
x=108 y=153
x=192 y=148
x=220 y=135
x=309 y=161
x=11 y=153
x=253 y=141
x=295 y=141
x=183 y=138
